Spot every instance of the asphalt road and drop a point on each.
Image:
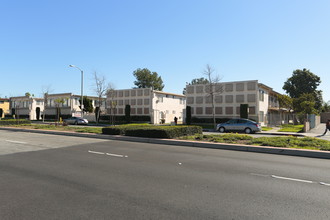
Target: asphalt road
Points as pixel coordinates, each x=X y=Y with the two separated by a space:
x=59 y=177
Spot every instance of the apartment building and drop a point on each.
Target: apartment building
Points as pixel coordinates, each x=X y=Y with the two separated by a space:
x=70 y=105
x=228 y=97
x=161 y=107
x=4 y=107
x=27 y=107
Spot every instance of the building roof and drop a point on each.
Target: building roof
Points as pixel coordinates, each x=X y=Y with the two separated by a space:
x=167 y=93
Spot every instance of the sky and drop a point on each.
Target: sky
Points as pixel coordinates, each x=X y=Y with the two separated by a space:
x=263 y=40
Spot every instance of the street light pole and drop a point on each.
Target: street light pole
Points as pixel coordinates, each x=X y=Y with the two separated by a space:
x=82 y=89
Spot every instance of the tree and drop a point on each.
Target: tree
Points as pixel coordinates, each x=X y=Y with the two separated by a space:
x=326 y=106
x=213 y=87
x=128 y=113
x=58 y=103
x=100 y=90
x=188 y=115
x=111 y=94
x=88 y=106
x=147 y=79
x=45 y=91
x=201 y=80
x=285 y=101
x=304 y=82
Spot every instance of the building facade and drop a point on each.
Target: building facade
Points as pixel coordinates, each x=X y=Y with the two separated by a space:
x=228 y=97
x=161 y=107
x=70 y=105
x=4 y=107
x=26 y=107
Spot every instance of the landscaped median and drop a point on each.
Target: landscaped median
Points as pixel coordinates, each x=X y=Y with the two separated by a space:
x=310 y=143
x=182 y=132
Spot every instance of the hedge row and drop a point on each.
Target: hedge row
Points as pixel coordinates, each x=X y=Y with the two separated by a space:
x=151 y=131
x=121 y=118
x=14 y=121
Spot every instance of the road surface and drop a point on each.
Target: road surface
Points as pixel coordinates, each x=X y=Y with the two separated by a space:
x=59 y=177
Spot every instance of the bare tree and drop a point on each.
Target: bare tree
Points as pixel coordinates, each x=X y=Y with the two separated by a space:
x=213 y=87
x=100 y=89
x=111 y=94
x=45 y=92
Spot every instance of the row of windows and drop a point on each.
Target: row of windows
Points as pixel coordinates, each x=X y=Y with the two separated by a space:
x=219 y=99
x=227 y=87
x=128 y=93
x=220 y=110
x=134 y=111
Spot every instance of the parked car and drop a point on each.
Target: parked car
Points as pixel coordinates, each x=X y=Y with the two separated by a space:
x=239 y=125
x=76 y=121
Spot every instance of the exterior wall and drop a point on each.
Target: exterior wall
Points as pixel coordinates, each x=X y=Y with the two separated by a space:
x=4 y=105
x=26 y=106
x=139 y=99
x=146 y=102
x=167 y=106
x=71 y=105
x=228 y=98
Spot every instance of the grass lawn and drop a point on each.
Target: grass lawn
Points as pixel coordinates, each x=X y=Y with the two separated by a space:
x=285 y=142
x=95 y=130
x=291 y=128
x=266 y=128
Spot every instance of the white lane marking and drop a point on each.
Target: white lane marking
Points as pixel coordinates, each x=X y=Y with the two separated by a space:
x=95 y=152
x=114 y=155
x=292 y=179
x=16 y=142
x=325 y=184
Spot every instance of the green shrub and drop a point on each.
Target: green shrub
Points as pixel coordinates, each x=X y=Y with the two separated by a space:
x=14 y=122
x=152 y=131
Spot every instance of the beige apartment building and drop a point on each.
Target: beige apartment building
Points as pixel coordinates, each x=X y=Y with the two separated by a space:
x=161 y=107
x=4 y=107
x=228 y=97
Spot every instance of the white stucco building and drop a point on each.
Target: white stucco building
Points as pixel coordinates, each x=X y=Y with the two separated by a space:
x=25 y=107
x=228 y=96
x=159 y=106
x=71 y=104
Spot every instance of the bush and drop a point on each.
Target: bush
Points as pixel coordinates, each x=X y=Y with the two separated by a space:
x=152 y=131
x=14 y=122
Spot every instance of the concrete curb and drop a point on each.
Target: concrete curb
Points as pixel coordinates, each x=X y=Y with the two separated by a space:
x=236 y=147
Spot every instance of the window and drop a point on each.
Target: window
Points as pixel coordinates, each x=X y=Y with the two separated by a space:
x=199 y=100
x=229 y=87
x=199 y=110
x=173 y=112
x=190 y=100
x=251 y=97
x=251 y=86
x=126 y=93
x=199 y=89
x=208 y=110
x=190 y=89
x=261 y=95
x=239 y=98
x=240 y=87
x=229 y=98
x=229 y=110
x=218 y=110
